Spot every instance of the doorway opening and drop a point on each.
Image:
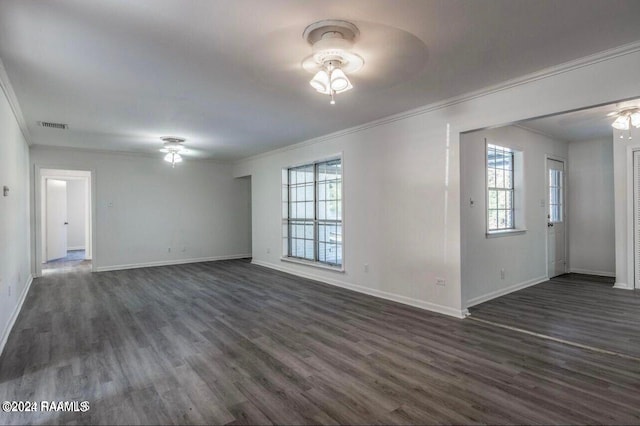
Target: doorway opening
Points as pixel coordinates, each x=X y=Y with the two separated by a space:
x=65 y=219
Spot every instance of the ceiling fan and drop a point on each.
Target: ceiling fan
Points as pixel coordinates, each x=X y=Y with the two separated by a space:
x=173 y=148
x=626 y=119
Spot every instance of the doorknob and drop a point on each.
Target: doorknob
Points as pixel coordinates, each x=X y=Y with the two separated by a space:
x=66 y=223
x=550 y=225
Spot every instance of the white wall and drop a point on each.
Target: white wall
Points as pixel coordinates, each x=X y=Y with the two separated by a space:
x=14 y=219
x=76 y=214
x=198 y=210
x=401 y=181
x=591 y=207
x=522 y=255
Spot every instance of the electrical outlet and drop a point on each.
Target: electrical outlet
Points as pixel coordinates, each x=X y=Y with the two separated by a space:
x=440 y=281
x=366 y=267
x=169 y=250
x=502 y=274
x=268 y=250
x=184 y=249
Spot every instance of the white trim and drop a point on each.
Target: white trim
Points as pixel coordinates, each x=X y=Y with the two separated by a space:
x=12 y=99
x=314 y=264
x=433 y=307
x=75 y=248
x=623 y=286
x=503 y=291
x=14 y=316
x=634 y=280
x=505 y=233
x=36 y=216
x=171 y=262
x=586 y=61
x=590 y=272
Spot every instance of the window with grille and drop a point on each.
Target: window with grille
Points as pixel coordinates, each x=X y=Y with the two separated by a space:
x=500 y=188
x=312 y=212
x=555 y=195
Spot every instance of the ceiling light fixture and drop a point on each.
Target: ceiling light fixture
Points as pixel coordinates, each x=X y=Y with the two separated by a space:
x=173 y=147
x=332 y=58
x=626 y=119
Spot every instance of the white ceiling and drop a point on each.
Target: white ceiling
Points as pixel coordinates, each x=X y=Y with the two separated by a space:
x=226 y=75
x=587 y=124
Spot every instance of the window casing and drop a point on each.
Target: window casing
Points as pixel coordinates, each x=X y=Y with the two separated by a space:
x=500 y=189
x=312 y=213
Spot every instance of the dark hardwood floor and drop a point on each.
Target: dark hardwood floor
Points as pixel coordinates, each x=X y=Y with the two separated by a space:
x=580 y=308
x=231 y=342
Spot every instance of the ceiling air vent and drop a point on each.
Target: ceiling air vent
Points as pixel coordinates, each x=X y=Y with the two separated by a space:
x=51 y=125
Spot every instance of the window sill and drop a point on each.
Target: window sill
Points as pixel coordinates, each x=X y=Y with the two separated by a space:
x=313 y=264
x=505 y=233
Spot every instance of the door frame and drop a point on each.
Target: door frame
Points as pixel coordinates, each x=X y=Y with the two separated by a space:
x=36 y=220
x=565 y=211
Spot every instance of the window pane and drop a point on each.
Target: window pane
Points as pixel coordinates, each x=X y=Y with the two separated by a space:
x=309 y=213
x=508 y=179
x=508 y=219
x=493 y=199
x=500 y=183
x=493 y=219
x=502 y=200
x=500 y=180
x=491 y=178
x=502 y=221
x=312 y=194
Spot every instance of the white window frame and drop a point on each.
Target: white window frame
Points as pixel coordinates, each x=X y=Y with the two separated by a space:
x=316 y=262
x=517 y=189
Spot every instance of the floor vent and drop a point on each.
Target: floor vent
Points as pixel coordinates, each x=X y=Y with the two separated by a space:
x=51 y=125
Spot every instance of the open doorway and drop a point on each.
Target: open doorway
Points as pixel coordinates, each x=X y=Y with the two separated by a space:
x=65 y=243
x=561 y=264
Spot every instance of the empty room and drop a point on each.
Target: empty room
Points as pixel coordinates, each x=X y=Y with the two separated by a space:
x=319 y=212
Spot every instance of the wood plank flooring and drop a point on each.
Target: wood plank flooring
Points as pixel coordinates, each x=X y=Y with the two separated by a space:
x=230 y=342
x=581 y=308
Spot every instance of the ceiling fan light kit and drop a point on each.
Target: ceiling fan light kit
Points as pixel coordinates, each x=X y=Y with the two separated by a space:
x=626 y=119
x=332 y=58
x=173 y=147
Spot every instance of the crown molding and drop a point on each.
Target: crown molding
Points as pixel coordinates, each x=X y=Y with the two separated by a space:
x=538 y=132
x=565 y=67
x=39 y=147
x=7 y=88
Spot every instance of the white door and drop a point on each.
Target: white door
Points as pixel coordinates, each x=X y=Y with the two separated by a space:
x=556 y=261
x=56 y=219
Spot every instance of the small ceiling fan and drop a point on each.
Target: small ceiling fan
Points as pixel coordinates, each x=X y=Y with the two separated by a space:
x=174 y=148
x=626 y=118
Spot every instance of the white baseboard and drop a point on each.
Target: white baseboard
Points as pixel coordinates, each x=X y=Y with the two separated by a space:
x=591 y=272
x=623 y=286
x=75 y=248
x=433 y=307
x=503 y=291
x=170 y=262
x=14 y=315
